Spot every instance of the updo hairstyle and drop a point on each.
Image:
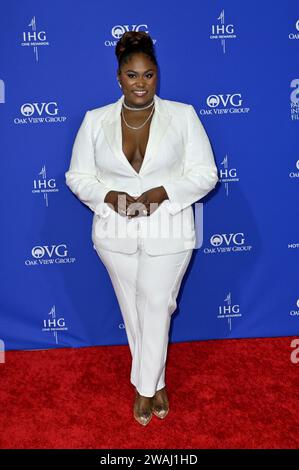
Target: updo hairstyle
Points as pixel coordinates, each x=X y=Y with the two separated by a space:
x=132 y=42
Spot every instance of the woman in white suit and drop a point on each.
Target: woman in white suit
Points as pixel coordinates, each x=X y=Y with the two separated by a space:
x=139 y=163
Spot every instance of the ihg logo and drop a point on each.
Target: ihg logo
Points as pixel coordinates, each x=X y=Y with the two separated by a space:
x=50 y=323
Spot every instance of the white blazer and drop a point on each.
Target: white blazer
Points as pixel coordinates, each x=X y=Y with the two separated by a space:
x=178 y=156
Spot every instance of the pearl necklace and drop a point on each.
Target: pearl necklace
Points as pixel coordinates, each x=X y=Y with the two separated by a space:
x=137 y=109
x=139 y=127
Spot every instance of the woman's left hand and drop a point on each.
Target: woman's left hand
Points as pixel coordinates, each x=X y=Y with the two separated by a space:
x=148 y=201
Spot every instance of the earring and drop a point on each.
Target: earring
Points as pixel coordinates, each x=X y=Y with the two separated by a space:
x=119 y=83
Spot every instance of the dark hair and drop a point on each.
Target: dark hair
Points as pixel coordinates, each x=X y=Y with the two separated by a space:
x=132 y=42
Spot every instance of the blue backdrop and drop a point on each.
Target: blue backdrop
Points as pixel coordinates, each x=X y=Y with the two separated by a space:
x=237 y=64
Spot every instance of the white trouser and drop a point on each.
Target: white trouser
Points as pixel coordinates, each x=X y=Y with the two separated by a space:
x=146 y=288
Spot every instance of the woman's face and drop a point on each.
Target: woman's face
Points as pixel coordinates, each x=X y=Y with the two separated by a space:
x=139 y=73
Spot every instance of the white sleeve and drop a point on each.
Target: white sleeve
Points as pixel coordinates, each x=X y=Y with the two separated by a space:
x=82 y=176
x=200 y=172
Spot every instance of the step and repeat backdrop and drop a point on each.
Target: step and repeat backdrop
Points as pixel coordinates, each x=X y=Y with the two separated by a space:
x=237 y=64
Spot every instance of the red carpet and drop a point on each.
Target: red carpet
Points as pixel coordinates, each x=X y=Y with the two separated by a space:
x=240 y=393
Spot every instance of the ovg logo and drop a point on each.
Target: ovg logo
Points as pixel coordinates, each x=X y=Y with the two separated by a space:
x=118 y=30
x=217 y=100
x=227 y=243
x=296 y=34
x=227 y=239
x=49 y=255
x=39 y=113
x=55 y=250
x=295 y=174
x=222 y=104
x=28 y=109
x=294 y=312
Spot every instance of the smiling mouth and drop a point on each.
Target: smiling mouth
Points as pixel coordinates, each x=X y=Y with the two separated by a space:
x=140 y=93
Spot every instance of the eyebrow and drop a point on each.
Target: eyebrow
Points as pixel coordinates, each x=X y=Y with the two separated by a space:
x=134 y=71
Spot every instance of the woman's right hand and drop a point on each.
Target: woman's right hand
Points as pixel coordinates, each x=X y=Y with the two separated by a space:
x=119 y=201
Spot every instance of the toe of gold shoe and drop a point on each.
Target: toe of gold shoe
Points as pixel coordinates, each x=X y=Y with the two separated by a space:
x=161 y=411
x=143 y=419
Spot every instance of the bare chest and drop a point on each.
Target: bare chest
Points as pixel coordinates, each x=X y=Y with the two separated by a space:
x=134 y=143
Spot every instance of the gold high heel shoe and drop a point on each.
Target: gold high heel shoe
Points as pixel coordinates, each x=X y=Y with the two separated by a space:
x=161 y=407
x=143 y=417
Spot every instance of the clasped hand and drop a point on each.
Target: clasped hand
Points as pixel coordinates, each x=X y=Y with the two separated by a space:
x=143 y=205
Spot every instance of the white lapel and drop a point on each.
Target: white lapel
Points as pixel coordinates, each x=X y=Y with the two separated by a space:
x=113 y=133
